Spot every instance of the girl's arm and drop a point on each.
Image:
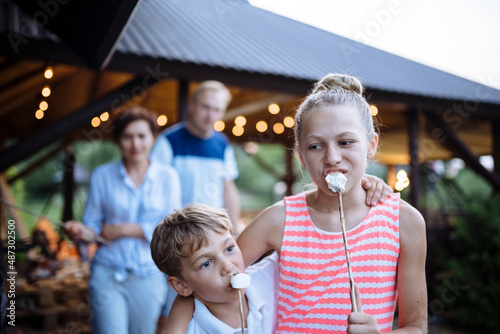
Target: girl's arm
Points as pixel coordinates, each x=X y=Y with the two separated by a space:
x=412 y=287
x=264 y=233
x=180 y=315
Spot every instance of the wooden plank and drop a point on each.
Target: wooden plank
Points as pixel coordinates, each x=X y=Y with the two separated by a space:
x=496 y=144
x=445 y=134
x=414 y=177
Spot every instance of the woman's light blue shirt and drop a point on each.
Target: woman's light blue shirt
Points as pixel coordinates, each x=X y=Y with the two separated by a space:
x=114 y=199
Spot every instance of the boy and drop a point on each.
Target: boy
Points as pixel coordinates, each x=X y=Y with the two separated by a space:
x=196 y=248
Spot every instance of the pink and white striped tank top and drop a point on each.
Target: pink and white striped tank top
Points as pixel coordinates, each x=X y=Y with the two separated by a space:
x=314 y=281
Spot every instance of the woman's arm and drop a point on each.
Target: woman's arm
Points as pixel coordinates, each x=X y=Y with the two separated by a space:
x=264 y=233
x=112 y=232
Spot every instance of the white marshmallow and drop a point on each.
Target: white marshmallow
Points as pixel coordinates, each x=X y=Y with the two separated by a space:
x=240 y=281
x=336 y=182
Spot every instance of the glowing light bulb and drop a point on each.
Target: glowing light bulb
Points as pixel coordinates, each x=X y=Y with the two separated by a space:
x=46 y=91
x=240 y=121
x=273 y=108
x=261 y=126
x=96 y=121
x=289 y=122
x=238 y=130
x=162 y=120
x=43 y=105
x=49 y=72
x=219 y=126
x=104 y=116
x=278 y=128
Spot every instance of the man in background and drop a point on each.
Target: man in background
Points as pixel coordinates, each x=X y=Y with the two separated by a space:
x=203 y=158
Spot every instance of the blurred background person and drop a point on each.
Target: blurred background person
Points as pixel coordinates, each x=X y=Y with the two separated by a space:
x=203 y=157
x=126 y=200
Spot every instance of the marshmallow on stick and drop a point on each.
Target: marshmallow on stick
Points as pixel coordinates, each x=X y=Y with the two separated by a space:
x=241 y=281
x=336 y=182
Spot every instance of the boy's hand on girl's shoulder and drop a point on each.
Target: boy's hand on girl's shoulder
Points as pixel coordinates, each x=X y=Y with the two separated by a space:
x=376 y=189
x=360 y=322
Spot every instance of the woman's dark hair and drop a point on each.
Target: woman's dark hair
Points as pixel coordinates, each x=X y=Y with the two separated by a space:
x=130 y=115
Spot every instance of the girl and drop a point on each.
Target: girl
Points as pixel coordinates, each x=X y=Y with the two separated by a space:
x=127 y=198
x=335 y=133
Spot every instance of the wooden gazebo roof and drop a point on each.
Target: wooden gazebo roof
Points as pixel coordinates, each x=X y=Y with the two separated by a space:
x=111 y=53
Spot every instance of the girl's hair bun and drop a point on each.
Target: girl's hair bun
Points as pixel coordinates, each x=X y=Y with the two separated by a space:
x=335 y=81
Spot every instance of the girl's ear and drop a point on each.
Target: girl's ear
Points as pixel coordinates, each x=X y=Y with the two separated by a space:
x=372 y=147
x=300 y=157
x=179 y=286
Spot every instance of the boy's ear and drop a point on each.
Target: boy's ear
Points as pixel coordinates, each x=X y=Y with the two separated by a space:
x=179 y=286
x=372 y=147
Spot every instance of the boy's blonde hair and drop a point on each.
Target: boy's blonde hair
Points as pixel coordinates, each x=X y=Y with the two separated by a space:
x=183 y=232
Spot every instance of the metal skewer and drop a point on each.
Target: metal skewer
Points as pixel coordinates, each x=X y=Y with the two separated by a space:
x=52 y=220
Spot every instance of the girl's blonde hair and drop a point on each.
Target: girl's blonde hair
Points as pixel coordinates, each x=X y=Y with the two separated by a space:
x=335 y=89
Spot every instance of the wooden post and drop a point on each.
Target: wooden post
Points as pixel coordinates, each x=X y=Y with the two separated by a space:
x=414 y=163
x=391 y=176
x=496 y=145
x=68 y=183
x=457 y=145
x=182 y=99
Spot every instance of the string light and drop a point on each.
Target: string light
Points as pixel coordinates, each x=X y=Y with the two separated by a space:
x=104 y=116
x=95 y=122
x=219 y=126
x=261 y=126
x=46 y=91
x=43 y=105
x=403 y=180
x=238 y=130
x=373 y=110
x=289 y=122
x=162 y=120
x=240 y=121
x=49 y=72
x=273 y=108
x=278 y=128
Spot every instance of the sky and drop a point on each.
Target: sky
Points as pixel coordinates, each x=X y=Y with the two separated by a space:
x=457 y=36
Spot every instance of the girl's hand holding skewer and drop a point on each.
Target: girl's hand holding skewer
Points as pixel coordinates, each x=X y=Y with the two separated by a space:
x=360 y=322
